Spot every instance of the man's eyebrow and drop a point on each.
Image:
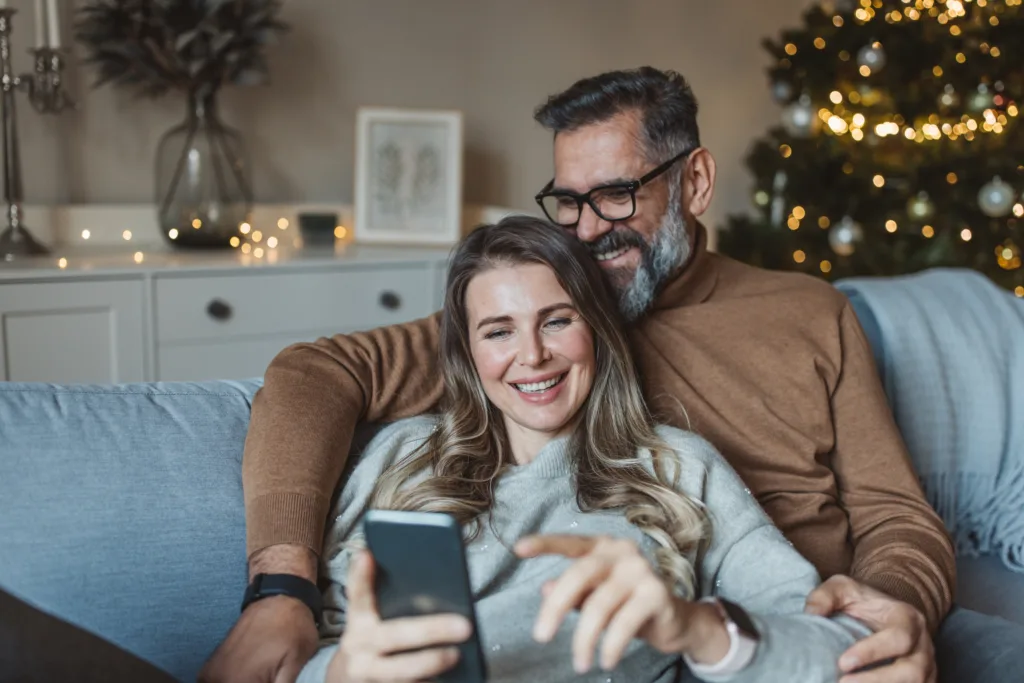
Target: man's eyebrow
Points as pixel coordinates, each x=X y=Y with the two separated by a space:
x=613 y=181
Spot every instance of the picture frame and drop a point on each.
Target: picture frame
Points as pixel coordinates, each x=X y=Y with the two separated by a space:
x=408 y=176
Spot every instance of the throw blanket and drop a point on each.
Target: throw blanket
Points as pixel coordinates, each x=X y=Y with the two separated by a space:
x=953 y=346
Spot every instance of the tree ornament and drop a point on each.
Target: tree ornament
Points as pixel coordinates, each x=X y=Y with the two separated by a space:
x=872 y=56
x=949 y=97
x=996 y=198
x=980 y=100
x=844 y=236
x=778 y=200
x=782 y=91
x=920 y=207
x=799 y=119
x=1008 y=255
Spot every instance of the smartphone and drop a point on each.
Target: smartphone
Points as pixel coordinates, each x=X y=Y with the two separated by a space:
x=421 y=570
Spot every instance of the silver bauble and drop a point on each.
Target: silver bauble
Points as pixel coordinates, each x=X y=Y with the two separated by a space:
x=844 y=236
x=980 y=100
x=949 y=98
x=782 y=91
x=799 y=119
x=872 y=56
x=920 y=207
x=996 y=198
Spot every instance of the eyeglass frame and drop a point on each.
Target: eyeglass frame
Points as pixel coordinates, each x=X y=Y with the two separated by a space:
x=630 y=186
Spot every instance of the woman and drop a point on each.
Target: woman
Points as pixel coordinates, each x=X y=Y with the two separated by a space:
x=588 y=529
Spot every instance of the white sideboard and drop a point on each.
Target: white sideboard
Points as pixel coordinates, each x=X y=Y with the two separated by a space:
x=162 y=315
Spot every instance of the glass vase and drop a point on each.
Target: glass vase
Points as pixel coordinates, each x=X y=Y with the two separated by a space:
x=203 y=191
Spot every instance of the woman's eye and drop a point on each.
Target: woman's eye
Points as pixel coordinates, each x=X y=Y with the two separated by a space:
x=496 y=334
x=557 y=323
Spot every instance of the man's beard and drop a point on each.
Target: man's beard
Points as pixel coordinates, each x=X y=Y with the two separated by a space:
x=659 y=260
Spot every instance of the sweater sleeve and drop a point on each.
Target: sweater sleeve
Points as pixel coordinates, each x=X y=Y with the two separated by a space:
x=304 y=417
x=749 y=562
x=900 y=544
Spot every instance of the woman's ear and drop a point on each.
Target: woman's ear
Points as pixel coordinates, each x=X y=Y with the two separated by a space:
x=699 y=181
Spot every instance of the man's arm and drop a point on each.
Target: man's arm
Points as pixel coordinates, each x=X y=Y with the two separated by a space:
x=900 y=544
x=302 y=424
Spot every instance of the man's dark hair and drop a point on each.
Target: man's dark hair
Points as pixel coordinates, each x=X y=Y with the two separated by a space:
x=663 y=99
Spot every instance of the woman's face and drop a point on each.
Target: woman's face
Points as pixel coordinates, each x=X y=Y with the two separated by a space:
x=532 y=350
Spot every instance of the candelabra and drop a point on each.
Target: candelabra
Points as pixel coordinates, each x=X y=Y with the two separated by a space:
x=46 y=94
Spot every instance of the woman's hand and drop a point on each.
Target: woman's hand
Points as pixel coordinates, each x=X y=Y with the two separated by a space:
x=373 y=649
x=618 y=592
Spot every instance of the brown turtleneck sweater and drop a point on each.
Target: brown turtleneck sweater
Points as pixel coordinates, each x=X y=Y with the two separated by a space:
x=772 y=368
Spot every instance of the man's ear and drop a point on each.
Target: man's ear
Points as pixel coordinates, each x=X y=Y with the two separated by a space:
x=699 y=181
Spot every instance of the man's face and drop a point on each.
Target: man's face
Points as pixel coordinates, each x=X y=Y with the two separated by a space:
x=641 y=253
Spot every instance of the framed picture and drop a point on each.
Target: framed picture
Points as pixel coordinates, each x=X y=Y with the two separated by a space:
x=408 y=176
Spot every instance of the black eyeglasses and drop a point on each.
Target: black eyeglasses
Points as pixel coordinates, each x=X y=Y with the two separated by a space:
x=612 y=202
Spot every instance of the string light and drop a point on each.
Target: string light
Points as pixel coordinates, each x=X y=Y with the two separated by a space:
x=234 y=242
x=786 y=151
x=798 y=212
x=271 y=242
x=790 y=49
x=86 y=234
x=62 y=263
x=246 y=248
x=824 y=222
x=928 y=231
x=825 y=266
x=891 y=226
x=793 y=223
x=878 y=181
x=196 y=223
x=951 y=178
x=138 y=257
x=282 y=223
x=173 y=233
x=257 y=236
x=799 y=256
x=966 y=234
x=341 y=231
x=1019 y=291
x=244 y=228
x=819 y=43
x=1018 y=210
x=836 y=97
x=126 y=235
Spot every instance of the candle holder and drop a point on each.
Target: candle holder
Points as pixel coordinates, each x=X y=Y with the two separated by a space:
x=46 y=94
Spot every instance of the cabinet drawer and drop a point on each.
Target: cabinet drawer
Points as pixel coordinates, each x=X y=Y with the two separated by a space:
x=214 y=307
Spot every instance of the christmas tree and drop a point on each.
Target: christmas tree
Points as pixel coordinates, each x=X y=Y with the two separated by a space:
x=901 y=145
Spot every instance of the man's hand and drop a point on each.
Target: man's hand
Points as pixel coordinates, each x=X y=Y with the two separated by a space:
x=272 y=641
x=274 y=637
x=901 y=634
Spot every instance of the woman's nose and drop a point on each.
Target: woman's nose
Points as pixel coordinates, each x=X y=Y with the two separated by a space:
x=532 y=351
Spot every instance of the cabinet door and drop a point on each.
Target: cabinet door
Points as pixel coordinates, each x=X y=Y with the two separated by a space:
x=72 y=332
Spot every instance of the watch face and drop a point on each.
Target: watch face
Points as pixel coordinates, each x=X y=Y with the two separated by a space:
x=740 y=617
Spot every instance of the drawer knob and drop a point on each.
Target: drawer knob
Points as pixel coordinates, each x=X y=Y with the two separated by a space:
x=219 y=310
x=390 y=301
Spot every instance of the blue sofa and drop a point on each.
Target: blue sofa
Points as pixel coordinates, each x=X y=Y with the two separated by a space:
x=121 y=512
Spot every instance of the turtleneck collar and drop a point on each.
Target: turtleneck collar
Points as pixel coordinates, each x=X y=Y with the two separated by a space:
x=551 y=462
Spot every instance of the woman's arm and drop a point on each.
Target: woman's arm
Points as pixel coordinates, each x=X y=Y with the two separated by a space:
x=750 y=563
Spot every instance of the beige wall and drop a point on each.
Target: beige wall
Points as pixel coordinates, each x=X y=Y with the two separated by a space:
x=493 y=59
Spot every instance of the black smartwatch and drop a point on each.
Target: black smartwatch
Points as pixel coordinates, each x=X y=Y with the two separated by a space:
x=268 y=585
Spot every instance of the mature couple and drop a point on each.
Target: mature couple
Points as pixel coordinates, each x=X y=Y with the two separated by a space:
x=598 y=541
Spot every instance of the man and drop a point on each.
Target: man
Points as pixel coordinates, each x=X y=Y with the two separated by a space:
x=773 y=368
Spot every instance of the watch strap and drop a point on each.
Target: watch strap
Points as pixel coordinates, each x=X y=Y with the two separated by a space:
x=269 y=585
x=743 y=640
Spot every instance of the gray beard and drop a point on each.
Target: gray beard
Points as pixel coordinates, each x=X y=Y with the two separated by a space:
x=659 y=261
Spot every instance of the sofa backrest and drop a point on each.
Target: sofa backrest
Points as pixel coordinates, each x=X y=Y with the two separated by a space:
x=121 y=511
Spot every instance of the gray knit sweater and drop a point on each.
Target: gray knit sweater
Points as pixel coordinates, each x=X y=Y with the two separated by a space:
x=748 y=562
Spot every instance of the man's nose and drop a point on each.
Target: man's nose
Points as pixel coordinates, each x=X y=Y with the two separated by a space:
x=591 y=226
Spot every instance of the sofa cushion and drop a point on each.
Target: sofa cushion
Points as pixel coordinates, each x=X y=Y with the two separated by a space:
x=122 y=511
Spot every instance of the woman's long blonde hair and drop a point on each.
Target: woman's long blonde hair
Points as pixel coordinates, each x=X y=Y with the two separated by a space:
x=469 y=450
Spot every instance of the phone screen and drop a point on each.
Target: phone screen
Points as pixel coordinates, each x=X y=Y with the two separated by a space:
x=421 y=570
